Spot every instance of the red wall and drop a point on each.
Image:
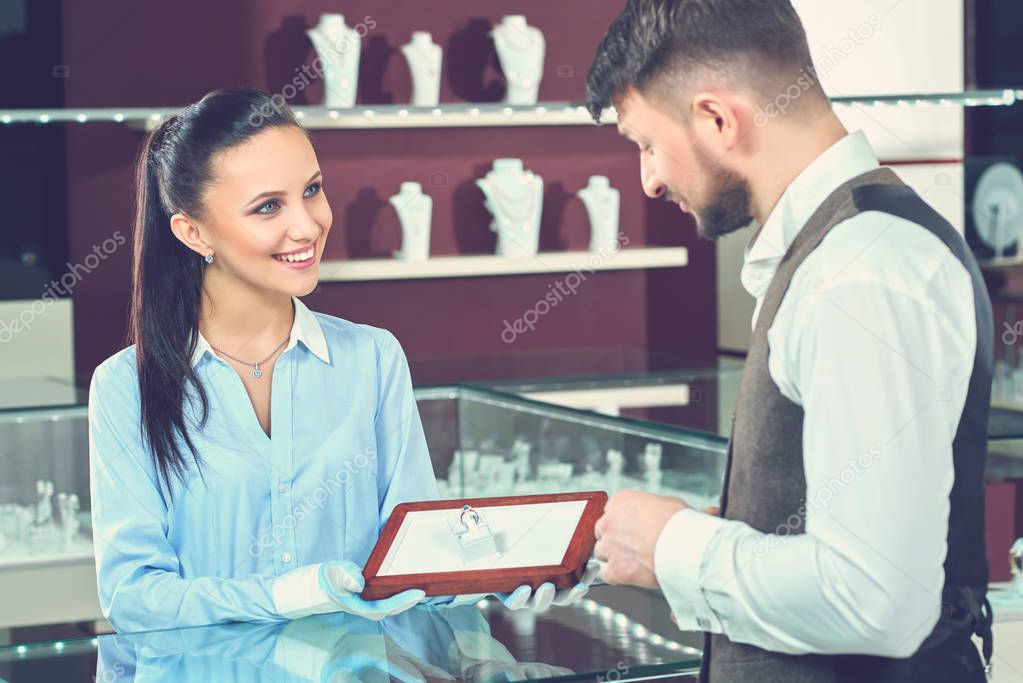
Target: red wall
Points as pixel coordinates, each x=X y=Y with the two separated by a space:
x=164 y=54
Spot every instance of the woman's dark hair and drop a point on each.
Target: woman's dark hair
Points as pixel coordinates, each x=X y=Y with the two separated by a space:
x=171 y=175
x=654 y=39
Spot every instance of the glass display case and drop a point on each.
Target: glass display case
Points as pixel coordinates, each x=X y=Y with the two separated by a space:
x=483 y=443
x=44 y=485
x=47 y=570
x=589 y=641
x=702 y=401
x=487 y=443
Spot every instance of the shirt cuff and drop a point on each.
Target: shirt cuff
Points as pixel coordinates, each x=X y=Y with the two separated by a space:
x=677 y=559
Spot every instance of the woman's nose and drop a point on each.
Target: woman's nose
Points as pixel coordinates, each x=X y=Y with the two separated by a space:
x=304 y=227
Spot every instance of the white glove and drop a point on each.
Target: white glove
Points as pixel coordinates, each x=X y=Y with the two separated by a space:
x=524 y=597
x=334 y=587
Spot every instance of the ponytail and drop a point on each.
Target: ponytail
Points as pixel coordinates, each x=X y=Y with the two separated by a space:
x=171 y=172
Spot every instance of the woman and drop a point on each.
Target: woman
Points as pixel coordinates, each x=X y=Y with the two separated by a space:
x=245 y=452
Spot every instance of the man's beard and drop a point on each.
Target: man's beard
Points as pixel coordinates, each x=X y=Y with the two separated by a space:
x=728 y=208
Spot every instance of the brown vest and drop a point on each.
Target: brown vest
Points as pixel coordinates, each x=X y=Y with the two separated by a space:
x=765 y=485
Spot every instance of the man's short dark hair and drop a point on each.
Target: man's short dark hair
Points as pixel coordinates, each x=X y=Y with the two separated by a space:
x=656 y=41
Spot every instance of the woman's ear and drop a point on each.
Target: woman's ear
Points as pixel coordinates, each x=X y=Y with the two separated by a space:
x=189 y=234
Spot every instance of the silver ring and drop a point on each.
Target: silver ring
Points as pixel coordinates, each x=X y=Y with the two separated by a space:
x=468 y=510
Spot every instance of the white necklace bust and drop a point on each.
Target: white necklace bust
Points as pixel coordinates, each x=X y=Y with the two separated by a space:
x=515 y=198
x=602 y=203
x=521 y=49
x=424 y=61
x=338 y=48
x=415 y=211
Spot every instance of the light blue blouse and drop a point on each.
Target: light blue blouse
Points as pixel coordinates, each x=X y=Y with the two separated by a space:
x=346 y=446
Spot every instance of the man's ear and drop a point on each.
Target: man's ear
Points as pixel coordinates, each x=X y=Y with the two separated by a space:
x=716 y=120
x=186 y=230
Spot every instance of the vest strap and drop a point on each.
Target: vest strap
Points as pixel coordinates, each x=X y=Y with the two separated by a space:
x=979 y=613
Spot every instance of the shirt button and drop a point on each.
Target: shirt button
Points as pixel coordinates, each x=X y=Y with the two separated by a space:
x=281 y=488
x=286 y=558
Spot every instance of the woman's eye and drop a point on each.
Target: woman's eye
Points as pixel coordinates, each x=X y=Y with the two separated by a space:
x=271 y=205
x=268 y=203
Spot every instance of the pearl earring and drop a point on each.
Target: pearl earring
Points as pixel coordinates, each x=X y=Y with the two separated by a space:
x=209 y=258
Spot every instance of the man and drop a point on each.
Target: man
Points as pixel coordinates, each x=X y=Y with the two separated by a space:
x=850 y=545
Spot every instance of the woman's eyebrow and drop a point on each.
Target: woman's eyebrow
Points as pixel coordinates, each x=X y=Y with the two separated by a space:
x=273 y=193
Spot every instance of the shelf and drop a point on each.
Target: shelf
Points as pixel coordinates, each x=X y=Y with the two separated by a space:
x=367 y=270
x=611 y=400
x=455 y=115
x=973 y=98
x=24 y=561
x=469 y=115
x=368 y=117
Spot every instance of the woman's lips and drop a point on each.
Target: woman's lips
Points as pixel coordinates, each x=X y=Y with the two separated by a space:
x=303 y=258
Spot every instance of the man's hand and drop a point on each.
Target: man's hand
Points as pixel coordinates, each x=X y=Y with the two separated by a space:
x=627 y=535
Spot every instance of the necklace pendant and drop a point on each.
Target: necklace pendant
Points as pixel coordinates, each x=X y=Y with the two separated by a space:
x=256 y=372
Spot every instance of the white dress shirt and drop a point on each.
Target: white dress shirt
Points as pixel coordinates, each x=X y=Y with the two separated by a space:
x=875 y=340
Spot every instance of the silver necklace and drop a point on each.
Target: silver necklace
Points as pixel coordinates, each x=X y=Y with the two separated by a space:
x=425 y=54
x=600 y=198
x=256 y=372
x=522 y=42
x=526 y=49
x=507 y=202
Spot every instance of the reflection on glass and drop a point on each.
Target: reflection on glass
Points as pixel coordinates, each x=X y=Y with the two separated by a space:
x=423 y=644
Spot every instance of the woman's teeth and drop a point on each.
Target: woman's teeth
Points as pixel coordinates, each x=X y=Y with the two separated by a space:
x=293 y=258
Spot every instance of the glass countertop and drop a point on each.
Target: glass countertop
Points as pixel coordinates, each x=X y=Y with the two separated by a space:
x=616 y=633
x=698 y=400
x=29 y=394
x=1006 y=421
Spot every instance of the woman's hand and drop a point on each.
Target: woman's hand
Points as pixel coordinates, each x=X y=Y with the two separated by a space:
x=524 y=597
x=343 y=581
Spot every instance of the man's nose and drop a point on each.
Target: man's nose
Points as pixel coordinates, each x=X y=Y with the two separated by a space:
x=652 y=186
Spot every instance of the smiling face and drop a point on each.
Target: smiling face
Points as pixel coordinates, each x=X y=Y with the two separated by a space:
x=265 y=215
x=680 y=167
